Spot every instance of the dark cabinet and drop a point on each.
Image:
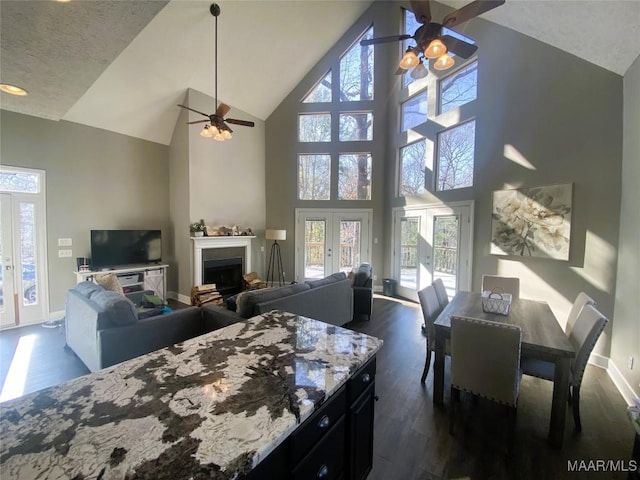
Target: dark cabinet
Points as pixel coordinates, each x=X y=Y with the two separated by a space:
x=336 y=442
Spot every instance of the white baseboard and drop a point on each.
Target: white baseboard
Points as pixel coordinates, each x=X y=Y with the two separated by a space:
x=621 y=383
x=58 y=315
x=377 y=288
x=599 y=360
x=179 y=297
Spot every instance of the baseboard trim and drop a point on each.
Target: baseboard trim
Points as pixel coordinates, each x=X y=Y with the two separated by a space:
x=599 y=361
x=621 y=383
x=179 y=297
x=377 y=288
x=57 y=315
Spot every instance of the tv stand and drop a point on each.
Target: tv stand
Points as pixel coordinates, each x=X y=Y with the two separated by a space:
x=135 y=277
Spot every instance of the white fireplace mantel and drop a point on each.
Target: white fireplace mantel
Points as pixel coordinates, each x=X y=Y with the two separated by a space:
x=205 y=243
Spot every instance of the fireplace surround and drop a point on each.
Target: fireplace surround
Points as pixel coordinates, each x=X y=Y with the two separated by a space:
x=202 y=245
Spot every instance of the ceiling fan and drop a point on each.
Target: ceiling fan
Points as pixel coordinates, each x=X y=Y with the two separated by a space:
x=216 y=125
x=430 y=43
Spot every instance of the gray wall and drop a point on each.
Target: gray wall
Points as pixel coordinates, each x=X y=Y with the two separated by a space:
x=95 y=180
x=625 y=342
x=222 y=183
x=282 y=150
x=563 y=114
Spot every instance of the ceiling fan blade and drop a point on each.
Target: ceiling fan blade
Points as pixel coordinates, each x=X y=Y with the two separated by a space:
x=223 y=109
x=375 y=41
x=459 y=47
x=198 y=121
x=188 y=108
x=469 y=11
x=422 y=10
x=244 y=123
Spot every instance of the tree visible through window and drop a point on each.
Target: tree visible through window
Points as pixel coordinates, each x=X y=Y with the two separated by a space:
x=456 y=156
x=321 y=92
x=356 y=71
x=314 y=127
x=414 y=111
x=314 y=177
x=412 y=169
x=356 y=126
x=354 y=176
x=459 y=88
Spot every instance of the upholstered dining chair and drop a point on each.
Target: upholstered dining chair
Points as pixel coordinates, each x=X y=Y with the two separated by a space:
x=430 y=311
x=441 y=293
x=581 y=300
x=587 y=329
x=485 y=361
x=501 y=284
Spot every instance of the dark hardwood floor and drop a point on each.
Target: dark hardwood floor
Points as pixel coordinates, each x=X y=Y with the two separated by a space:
x=412 y=438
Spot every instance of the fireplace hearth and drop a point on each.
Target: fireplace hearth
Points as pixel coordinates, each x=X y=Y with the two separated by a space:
x=226 y=273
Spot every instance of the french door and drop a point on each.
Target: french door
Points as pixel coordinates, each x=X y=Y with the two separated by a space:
x=432 y=242
x=23 y=292
x=331 y=241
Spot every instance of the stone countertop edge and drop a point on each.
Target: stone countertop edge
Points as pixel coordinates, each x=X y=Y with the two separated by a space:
x=217 y=404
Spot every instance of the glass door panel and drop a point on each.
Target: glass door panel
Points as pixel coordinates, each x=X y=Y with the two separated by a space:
x=28 y=286
x=446 y=232
x=7 y=290
x=409 y=233
x=350 y=241
x=314 y=248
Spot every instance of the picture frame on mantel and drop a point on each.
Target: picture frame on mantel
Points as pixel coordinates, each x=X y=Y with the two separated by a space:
x=532 y=221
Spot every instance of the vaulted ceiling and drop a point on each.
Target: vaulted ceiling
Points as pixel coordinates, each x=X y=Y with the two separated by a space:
x=123 y=66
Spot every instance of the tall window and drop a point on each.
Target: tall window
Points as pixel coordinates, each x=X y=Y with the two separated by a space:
x=328 y=107
x=426 y=104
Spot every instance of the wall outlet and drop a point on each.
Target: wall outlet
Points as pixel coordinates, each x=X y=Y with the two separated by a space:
x=65 y=242
x=630 y=363
x=65 y=253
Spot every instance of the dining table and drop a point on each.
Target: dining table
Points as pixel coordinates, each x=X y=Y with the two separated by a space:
x=542 y=339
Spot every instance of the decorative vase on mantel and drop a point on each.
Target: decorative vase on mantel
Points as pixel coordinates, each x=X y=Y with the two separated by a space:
x=198 y=234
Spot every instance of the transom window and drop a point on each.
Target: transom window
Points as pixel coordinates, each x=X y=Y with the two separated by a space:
x=18 y=181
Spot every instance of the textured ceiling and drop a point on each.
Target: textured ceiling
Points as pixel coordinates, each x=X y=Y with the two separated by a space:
x=124 y=65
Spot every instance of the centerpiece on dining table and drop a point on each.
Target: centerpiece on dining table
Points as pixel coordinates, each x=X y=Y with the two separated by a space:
x=496 y=302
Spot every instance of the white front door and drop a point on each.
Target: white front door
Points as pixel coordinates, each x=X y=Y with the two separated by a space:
x=331 y=241
x=23 y=249
x=432 y=242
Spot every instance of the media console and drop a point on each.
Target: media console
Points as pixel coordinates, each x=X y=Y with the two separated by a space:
x=139 y=277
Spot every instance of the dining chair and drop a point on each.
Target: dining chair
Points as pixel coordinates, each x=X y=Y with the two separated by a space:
x=485 y=361
x=588 y=326
x=430 y=311
x=581 y=300
x=441 y=293
x=501 y=284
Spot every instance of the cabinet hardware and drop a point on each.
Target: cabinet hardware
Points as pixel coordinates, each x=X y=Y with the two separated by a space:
x=324 y=422
x=323 y=472
x=366 y=378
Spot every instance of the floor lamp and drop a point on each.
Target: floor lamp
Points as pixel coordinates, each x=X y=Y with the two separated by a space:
x=275 y=259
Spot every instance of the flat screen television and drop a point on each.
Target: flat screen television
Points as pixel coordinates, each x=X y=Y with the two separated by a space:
x=115 y=248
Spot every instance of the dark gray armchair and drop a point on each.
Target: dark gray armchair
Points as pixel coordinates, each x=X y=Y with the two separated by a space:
x=363 y=291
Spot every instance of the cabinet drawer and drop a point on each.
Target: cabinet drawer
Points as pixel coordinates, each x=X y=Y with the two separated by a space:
x=361 y=380
x=317 y=425
x=326 y=460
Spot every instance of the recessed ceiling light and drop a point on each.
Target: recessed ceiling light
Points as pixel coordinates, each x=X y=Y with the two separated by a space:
x=13 y=90
x=63 y=1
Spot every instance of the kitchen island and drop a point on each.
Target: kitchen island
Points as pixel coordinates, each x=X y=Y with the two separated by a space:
x=214 y=406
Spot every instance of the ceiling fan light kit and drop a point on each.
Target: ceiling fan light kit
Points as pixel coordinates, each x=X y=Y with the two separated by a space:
x=216 y=125
x=430 y=43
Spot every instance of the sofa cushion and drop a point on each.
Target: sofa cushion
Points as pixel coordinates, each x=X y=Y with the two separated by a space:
x=86 y=289
x=247 y=301
x=118 y=309
x=109 y=281
x=362 y=276
x=336 y=277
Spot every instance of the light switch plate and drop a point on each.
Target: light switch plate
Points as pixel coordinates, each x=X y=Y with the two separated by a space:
x=65 y=242
x=65 y=253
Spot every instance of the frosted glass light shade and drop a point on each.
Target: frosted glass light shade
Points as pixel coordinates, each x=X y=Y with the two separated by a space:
x=275 y=234
x=435 y=49
x=409 y=60
x=444 y=62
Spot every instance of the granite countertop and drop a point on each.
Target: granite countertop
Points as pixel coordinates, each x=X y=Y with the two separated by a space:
x=213 y=406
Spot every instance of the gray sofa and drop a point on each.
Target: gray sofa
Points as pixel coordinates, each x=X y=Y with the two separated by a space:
x=329 y=299
x=103 y=327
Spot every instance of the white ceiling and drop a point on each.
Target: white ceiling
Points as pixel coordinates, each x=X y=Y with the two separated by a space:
x=123 y=66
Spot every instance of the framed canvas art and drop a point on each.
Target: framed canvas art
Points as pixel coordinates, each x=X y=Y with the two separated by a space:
x=532 y=222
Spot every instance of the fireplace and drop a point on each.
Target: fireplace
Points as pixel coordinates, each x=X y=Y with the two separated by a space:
x=226 y=273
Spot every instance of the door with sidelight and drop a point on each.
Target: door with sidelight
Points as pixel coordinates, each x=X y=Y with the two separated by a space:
x=23 y=292
x=331 y=241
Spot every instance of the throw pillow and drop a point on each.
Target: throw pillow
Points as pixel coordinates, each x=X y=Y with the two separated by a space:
x=109 y=281
x=247 y=300
x=336 y=277
x=118 y=309
x=154 y=300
